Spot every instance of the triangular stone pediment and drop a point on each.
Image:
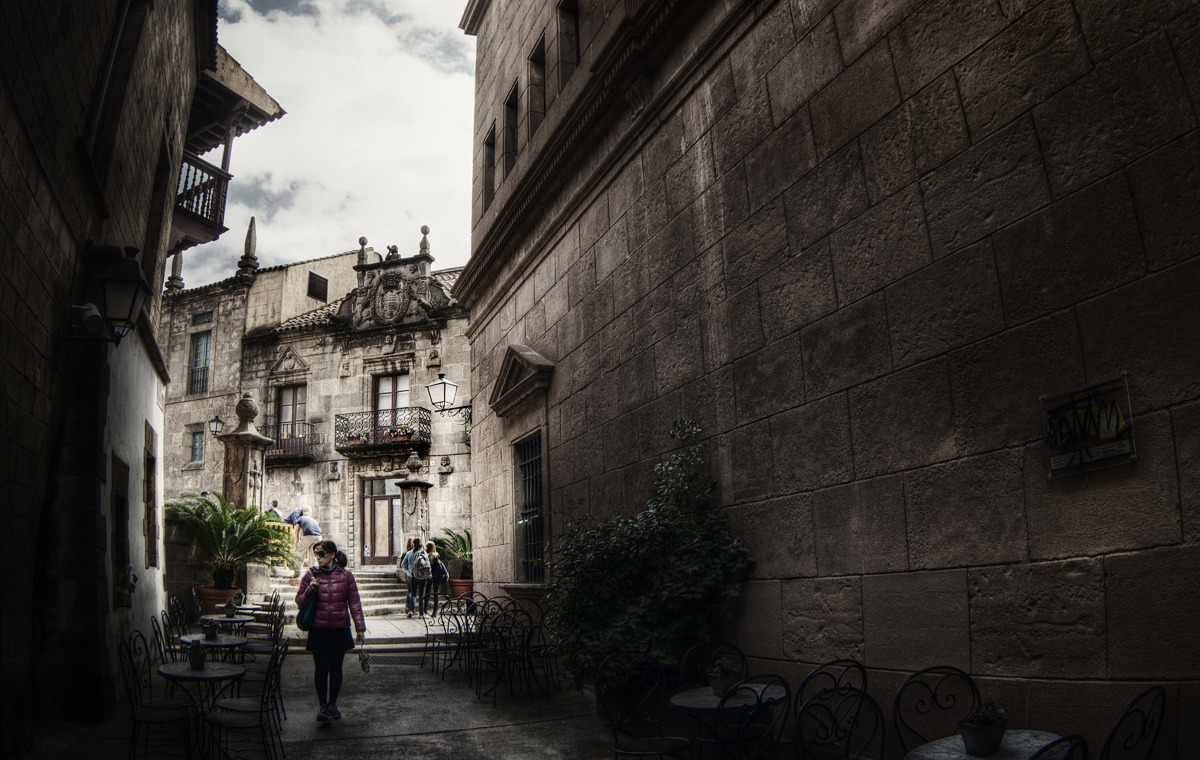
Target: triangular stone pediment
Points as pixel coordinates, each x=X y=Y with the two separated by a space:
x=523 y=373
x=289 y=363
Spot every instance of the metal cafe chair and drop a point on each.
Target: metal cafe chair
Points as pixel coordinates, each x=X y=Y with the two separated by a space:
x=840 y=723
x=245 y=727
x=698 y=660
x=1070 y=747
x=504 y=653
x=836 y=674
x=1133 y=735
x=630 y=693
x=930 y=702
x=167 y=717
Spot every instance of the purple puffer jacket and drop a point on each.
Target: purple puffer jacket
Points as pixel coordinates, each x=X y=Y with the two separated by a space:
x=336 y=591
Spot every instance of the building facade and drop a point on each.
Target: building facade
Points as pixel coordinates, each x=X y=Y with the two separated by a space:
x=340 y=383
x=105 y=108
x=925 y=273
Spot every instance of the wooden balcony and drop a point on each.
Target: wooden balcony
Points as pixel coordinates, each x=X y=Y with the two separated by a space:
x=390 y=431
x=199 y=203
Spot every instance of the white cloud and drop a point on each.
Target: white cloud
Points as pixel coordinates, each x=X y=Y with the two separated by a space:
x=376 y=140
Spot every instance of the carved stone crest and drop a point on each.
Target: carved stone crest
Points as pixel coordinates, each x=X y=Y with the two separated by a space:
x=390 y=298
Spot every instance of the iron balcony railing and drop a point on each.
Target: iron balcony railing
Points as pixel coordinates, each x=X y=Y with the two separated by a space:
x=198 y=380
x=292 y=440
x=384 y=428
x=202 y=189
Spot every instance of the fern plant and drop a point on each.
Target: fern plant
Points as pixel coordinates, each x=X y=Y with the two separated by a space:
x=457 y=545
x=232 y=536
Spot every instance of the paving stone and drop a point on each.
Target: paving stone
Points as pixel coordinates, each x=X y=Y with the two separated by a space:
x=913 y=619
x=1125 y=108
x=811 y=445
x=997 y=383
x=856 y=99
x=860 y=527
x=769 y=380
x=1018 y=68
x=810 y=65
x=862 y=23
x=1081 y=246
x=1146 y=328
x=798 y=293
x=762 y=525
x=937 y=35
x=1122 y=508
x=1151 y=613
x=951 y=303
x=996 y=182
x=825 y=198
x=1166 y=194
x=783 y=157
x=881 y=246
x=889 y=436
x=967 y=512
x=1041 y=620
x=822 y=619
x=846 y=348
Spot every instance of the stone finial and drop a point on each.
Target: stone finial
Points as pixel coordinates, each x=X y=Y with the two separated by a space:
x=413 y=463
x=248 y=264
x=425 y=239
x=175 y=281
x=247 y=407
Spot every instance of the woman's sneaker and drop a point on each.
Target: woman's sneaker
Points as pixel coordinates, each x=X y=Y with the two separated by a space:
x=334 y=713
x=324 y=715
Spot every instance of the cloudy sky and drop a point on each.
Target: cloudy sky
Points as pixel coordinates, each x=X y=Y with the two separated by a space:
x=376 y=140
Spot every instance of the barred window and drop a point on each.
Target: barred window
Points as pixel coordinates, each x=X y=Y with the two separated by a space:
x=318 y=287
x=203 y=318
x=197 y=447
x=200 y=356
x=529 y=493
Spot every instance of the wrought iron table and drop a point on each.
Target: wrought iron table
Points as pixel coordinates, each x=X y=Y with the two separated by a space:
x=1019 y=744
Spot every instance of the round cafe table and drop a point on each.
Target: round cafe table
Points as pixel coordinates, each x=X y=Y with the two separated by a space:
x=237 y=622
x=224 y=643
x=207 y=679
x=701 y=704
x=1019 y=744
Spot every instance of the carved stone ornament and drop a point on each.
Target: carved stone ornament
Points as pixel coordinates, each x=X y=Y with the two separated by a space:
x=390 y=298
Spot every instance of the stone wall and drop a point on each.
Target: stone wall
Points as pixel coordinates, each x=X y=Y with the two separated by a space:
x=859 y=242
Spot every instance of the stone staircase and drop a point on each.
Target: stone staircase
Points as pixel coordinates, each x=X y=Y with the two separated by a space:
x=380 y=591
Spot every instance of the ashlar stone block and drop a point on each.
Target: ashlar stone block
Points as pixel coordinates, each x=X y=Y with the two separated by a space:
x=822 y=619
x=758 y=620
x=953 y=302
x=937 y=35
x=810 y=65
x=1166 y=194
x=826 y=198
x=913 y=619
x=811 y=445
x=741 y=128
x=769 y=380
x=798 y=293
x=885 y=243
x=1041 y=620
x=862 y=23
x=1152 y=614
x=1133 y=506
x=903 y=420
x=779 y=535
x=860 y=527
x=785 y=156
x=967 y=512
x=855 y=100
x=848 y=347
x=1185 y=423
x=756 y=247
x=1113 y=25
x=768 y=41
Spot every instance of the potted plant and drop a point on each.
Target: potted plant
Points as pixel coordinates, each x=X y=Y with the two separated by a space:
x=456 y=549
x=232 y=537
x=723 y=674
x=983 y=729
x=400 y=433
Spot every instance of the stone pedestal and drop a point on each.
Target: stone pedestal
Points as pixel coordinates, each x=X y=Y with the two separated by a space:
x=245 y=450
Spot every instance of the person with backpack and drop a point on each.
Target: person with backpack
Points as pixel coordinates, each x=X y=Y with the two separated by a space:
x=409 y=581
x=439 y=578
x=422 y=571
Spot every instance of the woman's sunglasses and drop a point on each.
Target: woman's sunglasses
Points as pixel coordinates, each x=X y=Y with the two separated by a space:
x=320 y=554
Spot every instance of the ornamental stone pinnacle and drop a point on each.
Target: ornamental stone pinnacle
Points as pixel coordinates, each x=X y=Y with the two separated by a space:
x=248 y=264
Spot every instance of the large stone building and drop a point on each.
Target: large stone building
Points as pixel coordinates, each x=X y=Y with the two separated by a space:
x=878 y=250
x=340 y=383
x=105 y=108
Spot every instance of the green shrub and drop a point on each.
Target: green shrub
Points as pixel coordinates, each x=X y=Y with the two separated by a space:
x=660 y=580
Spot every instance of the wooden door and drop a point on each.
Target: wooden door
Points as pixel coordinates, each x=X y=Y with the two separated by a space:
x=377 y=510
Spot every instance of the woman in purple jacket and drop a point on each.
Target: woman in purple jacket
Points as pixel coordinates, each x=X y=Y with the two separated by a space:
x=329 y=639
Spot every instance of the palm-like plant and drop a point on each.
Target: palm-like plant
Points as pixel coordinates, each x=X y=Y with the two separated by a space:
x=232 y=536
x=457 y=545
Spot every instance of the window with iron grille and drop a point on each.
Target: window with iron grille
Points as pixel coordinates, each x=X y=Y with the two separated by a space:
x=200 y=355
x=150 y=496
x=318 y=287
x=197 y=447
x=203 y=318
x=529 y=493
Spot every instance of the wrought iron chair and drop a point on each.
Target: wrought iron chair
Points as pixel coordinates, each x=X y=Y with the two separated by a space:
x=504 y=652
x=839 y=723
x=162 y=648
x=249 y=727
x=1133 y=735
x=630 y=695
x=170 y=637
x=443 y=633
x=749 y=719
x=837 y=675
x=699 y=660
x=930 y=702
x=1070 y=747
x=168 y=716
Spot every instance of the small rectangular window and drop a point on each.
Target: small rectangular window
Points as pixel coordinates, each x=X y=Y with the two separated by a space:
x=197 y=447
x=529 y=493
x=489 y=167
x=537 y=85
x=203 y=318
x=200 y=356
x=318 y=287
x=568 y=40
x=150 y=496
x=511 y=114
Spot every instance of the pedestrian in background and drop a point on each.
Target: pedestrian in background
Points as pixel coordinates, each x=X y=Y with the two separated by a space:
x=422 y=572
x=308 y=533
x=439 y=578
x=329 y=640
x=406 y=566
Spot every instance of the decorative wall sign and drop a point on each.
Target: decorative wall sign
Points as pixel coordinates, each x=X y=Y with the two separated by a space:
x=1090 y=428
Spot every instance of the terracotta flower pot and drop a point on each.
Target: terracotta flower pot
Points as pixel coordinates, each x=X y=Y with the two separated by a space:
x=982 y=739
x=461 y=586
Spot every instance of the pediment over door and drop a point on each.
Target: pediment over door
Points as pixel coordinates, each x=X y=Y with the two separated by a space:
x=523 y=373
x=289 y=366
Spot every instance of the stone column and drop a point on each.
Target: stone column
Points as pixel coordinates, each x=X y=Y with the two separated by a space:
x=245 y=450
